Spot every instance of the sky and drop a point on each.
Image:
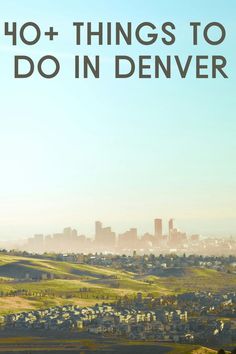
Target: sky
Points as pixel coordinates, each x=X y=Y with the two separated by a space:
x=73 y=151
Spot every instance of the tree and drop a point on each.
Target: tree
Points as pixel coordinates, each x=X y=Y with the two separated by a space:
x=221 y=351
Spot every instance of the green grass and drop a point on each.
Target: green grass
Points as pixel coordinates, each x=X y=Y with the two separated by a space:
x=196 y=279
x=37 y=343
x=190 y=349
x=102 y=284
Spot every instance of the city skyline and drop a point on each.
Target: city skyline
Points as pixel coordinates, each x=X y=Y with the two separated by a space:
x=165 y=237
x=120 y=227
x=212 y=228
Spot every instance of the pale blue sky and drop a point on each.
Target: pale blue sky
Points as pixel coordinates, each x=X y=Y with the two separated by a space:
x=73 y=151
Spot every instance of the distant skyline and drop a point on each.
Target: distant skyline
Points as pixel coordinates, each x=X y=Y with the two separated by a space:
x=147 y=227
x=164 y=237
x=123 y=152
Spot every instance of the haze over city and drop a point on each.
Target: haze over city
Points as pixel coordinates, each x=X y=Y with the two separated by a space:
x=106 y=240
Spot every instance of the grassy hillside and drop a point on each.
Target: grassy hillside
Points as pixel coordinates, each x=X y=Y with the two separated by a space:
x=97 y=345
x=87 y=285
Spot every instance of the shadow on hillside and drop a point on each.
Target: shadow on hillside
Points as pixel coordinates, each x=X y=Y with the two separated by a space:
x=20 y=270
x=169 y=272
x=86 y=273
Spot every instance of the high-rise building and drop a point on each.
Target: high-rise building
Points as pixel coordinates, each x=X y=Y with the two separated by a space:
x=171 y=226
x=104 y=236
x=36 y=243
x=158 y=228
x=98 y=230
x=177 y=238
x=128 y=240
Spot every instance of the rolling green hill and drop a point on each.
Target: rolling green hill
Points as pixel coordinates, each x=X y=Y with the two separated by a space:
x=28 y=283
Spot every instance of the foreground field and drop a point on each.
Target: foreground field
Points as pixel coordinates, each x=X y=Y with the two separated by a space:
x=38 y=345
x=23 y=286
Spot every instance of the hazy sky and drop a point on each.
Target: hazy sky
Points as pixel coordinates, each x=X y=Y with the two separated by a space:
x=124 y=152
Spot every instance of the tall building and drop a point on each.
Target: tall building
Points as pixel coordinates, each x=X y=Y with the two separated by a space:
x=129 y=239
x=67 y=231
x=36 y=243
x=98 y=230
x=104 y=236
x=171 y=226
x=177 y=238
x=158 y=228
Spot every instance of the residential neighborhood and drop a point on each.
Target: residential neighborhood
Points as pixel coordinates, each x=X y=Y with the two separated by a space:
x=187 y=318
